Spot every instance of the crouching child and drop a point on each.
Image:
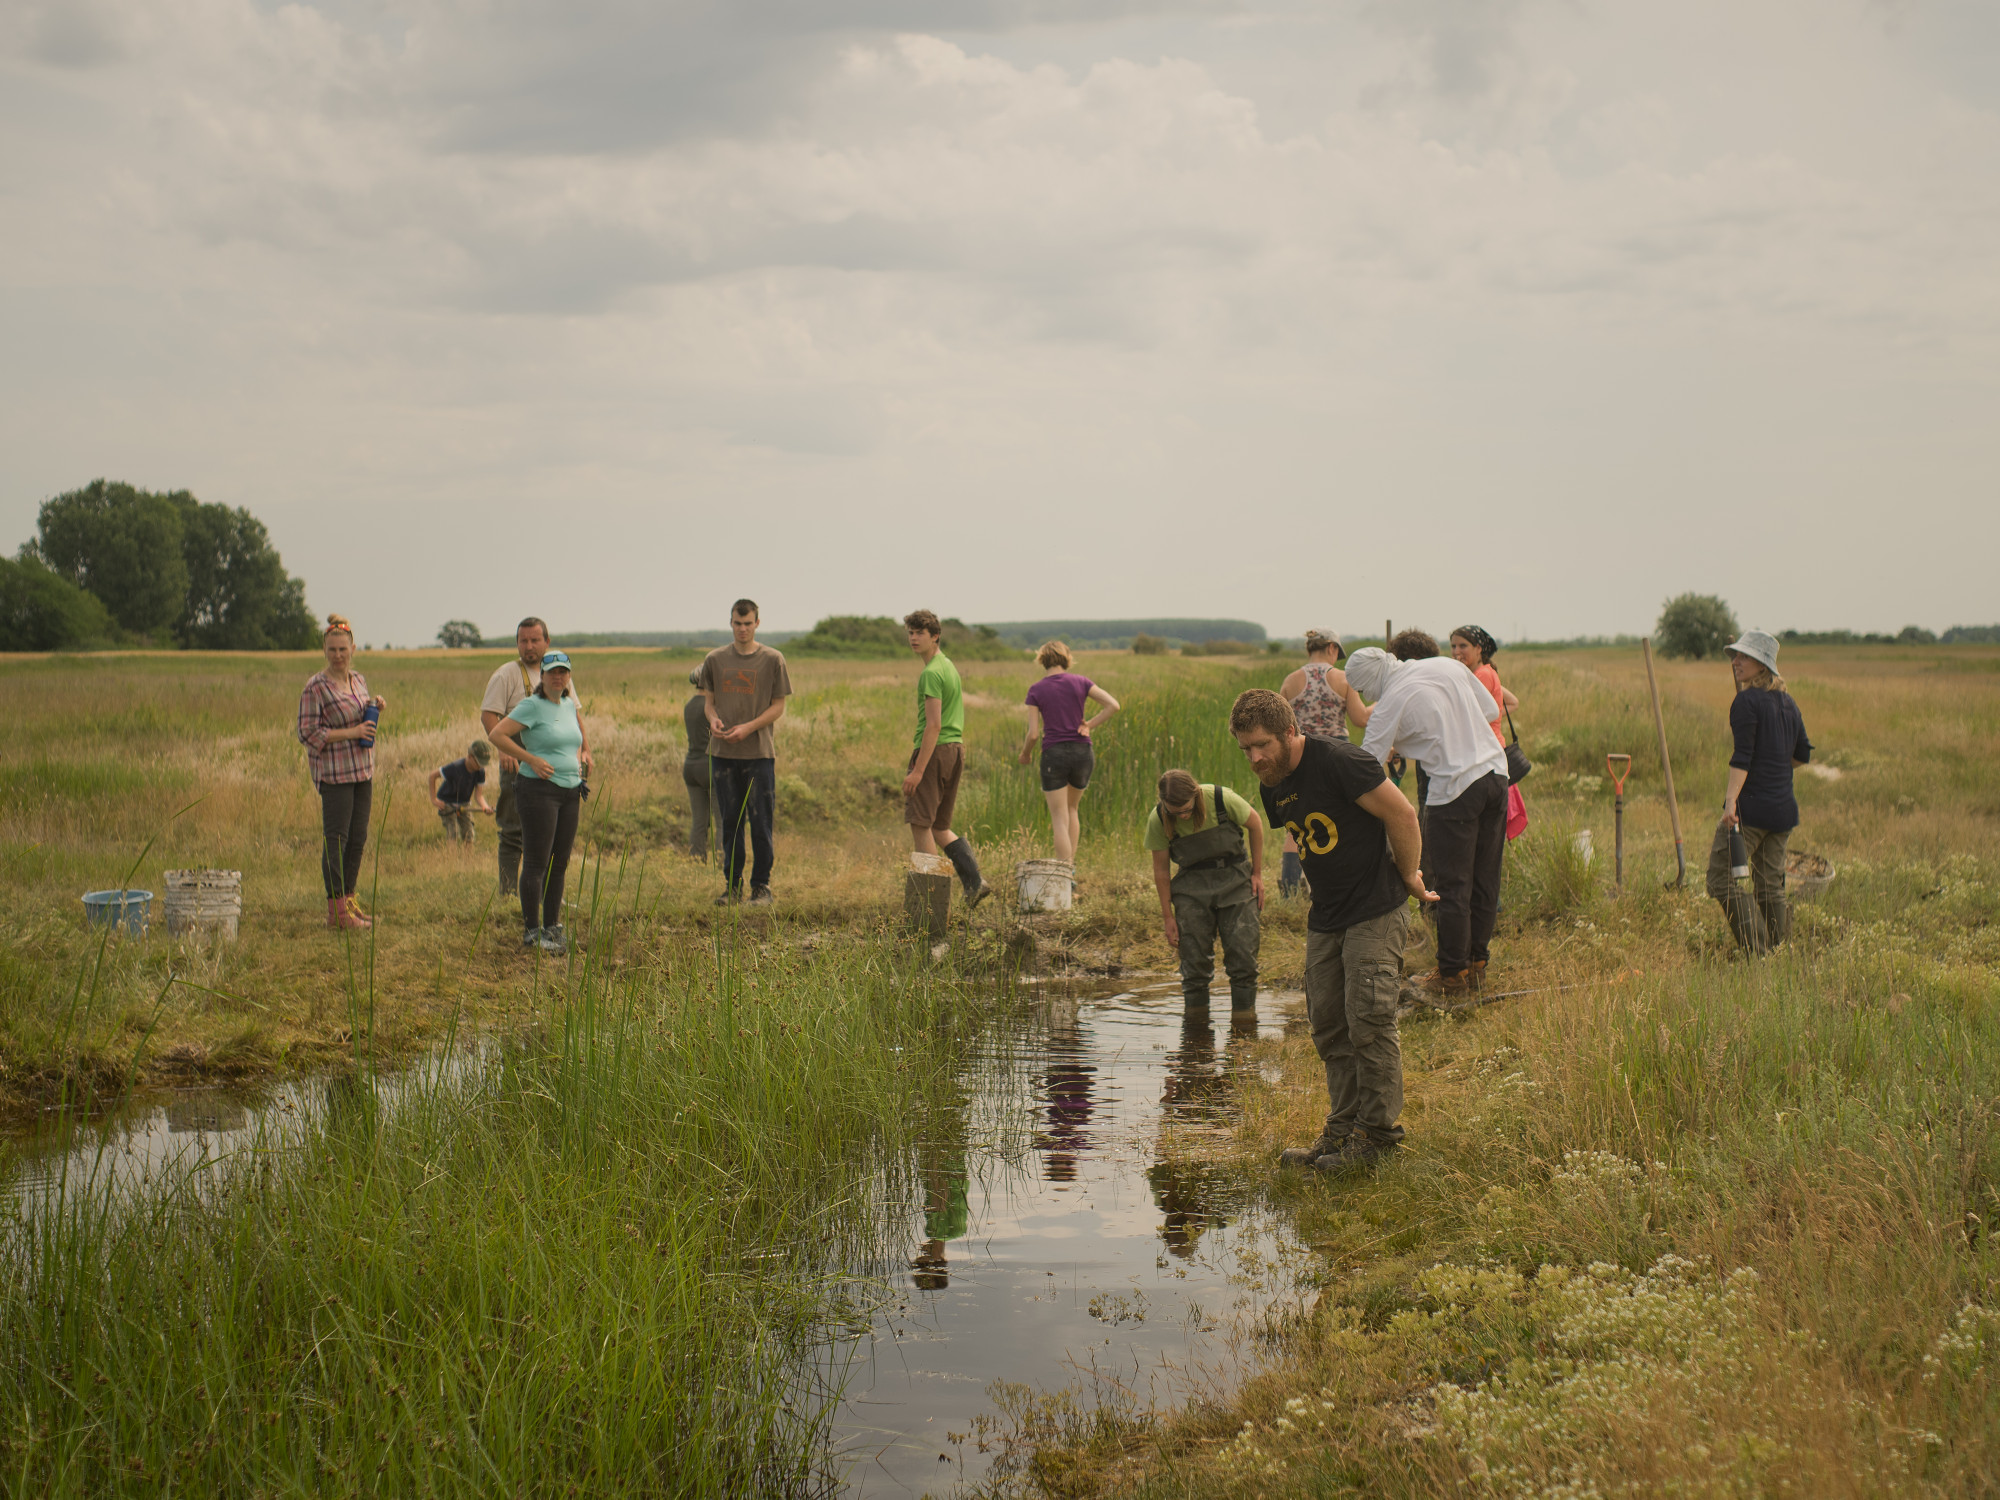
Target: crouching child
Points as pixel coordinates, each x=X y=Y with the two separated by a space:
x=455 y=790
x=1217 y=840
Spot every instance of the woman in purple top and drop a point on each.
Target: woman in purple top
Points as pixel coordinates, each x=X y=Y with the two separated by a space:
x=1055 y=717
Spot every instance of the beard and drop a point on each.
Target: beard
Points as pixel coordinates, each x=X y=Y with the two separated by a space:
x=1272 y=774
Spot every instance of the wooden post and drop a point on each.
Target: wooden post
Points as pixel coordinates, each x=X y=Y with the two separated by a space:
x=1666 y=769
x=1388 y=633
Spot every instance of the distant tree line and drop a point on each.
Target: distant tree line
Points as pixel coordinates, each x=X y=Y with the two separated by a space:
x=1701 y=625
x=112 y=564
x=884 y=637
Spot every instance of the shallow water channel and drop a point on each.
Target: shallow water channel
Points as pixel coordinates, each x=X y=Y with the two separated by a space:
x=1076 y=1240
x=1071 y=1234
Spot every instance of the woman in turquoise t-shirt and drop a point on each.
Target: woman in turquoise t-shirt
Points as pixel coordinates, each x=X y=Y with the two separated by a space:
x=544 y=732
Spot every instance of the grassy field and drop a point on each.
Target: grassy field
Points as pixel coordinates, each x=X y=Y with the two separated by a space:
x=1693 y=1225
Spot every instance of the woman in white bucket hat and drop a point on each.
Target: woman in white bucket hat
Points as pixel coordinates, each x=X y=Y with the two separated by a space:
x=1770 y=742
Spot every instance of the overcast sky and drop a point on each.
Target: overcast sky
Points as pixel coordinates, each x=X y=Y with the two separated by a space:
x=1521 y=313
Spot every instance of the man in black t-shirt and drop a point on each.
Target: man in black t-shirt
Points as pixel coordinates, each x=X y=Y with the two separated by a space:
x=1357 y=835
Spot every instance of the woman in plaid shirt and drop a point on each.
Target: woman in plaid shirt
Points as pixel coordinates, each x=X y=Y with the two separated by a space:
x=339 y=736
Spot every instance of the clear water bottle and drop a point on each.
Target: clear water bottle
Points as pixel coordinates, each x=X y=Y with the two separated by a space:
x=1739 y=856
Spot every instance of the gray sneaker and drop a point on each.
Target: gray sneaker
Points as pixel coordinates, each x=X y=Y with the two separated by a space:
x=729 y=897
x=531 y=937
x=1306 y=1156
x=554 y=941
x=760 y=895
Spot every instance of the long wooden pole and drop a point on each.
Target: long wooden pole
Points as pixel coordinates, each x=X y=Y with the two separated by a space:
x=1666 y=769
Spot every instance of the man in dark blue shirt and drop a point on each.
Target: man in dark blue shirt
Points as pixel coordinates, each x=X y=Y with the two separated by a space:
x=1770 y=741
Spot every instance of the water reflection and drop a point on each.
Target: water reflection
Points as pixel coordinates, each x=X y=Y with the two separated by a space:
x=1066 y=1224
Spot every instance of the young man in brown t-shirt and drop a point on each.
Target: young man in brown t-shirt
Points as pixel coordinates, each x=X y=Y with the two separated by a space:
x=745 y=685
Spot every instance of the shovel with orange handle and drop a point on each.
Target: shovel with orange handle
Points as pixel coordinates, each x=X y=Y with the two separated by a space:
x=1620 y=766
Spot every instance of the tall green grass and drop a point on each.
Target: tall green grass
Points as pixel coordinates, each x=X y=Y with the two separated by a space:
x=1179 y=721
x=598 y=1260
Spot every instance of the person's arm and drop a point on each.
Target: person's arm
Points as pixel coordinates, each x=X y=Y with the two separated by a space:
x=1507 y=699
x=1350 y=697
x=743 y=731
x=933 y=719
x=489 y=718
x=1163 y=883
x=1292 y=686
x=479 y=801
x=1098 y=695
x=583 y=751
x=312 y=725
x=1034 y=733
x=1406 y=843
x=506 y=737
x=1379 y=738
x=714 y=718
x=1737 y=776
x=1255 y=824
x=436 y=800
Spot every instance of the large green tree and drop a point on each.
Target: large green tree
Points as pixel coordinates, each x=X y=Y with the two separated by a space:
x=168 y=566
x=1694 y=625
x=122 y=544
x=41 y=611
x=239 y=597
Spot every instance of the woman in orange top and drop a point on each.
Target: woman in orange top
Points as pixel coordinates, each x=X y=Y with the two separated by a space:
x=1474 y=648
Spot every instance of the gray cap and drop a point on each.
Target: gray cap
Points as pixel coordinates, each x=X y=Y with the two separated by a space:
x=1369 y=671
x=694 y=677
x=1758 y=646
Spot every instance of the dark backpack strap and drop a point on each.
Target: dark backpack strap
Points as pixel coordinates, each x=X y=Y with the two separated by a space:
x=1221 y=807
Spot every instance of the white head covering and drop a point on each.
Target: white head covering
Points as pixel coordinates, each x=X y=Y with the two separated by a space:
x=1369 y=670
x=1759 y=647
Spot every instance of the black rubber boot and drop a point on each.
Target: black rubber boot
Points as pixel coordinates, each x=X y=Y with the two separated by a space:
x=1777 y=920
x=1291 y=874
x=1746 y=924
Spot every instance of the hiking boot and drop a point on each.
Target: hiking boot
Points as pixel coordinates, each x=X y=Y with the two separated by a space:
x=1438 y=985
x=1475 y=973
x=338 y=916
x=729 y=897
x=554 y=941
x=1306 y=1156
x=760 y=895
x=354 y=910
x=1359 y=1152
x=973 y=898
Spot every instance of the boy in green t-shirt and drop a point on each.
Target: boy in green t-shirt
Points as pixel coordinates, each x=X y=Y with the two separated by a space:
x=930 y=790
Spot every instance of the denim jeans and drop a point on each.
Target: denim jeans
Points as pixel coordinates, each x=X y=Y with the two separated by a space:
x=745 y=796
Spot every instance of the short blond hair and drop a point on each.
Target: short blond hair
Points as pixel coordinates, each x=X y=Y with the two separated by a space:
x=1053 y=654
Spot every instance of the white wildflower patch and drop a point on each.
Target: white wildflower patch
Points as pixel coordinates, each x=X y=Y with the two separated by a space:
x=1968 y=1346
x=1624 y=1345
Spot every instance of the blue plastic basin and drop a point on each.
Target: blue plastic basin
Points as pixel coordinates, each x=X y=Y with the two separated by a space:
x=128 y=909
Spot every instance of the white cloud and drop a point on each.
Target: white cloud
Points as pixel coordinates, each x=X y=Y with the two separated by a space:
x=1525 y=281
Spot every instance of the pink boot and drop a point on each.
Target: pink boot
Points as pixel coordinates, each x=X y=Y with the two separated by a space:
x=338 y=916
x=361 y=918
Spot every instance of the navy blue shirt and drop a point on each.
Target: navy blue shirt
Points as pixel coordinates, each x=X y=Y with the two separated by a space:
x=458 y=783
x=1769 y=736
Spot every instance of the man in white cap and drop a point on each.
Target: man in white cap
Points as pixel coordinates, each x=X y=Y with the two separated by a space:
x=1770 y=740
x=1437 y=714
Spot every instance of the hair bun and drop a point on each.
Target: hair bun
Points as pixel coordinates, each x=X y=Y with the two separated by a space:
x=337 y=623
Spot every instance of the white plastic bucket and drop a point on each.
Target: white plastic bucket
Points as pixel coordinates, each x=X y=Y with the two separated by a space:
x=204 y=901
x=1045 y=884
x=1580 y=841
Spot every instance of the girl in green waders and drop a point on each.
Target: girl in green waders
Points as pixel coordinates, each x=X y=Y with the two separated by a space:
x=1217 y=891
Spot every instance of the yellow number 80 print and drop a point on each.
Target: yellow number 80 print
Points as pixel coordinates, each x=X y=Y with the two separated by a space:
x=1318 y=836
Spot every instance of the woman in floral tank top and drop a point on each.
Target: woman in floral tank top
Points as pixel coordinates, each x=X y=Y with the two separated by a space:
x=1324 y=705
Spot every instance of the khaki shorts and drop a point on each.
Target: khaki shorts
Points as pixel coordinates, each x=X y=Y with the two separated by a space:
x=932 y=803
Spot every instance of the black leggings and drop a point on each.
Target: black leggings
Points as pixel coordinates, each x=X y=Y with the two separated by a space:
x=548 y=830
x=343 y=814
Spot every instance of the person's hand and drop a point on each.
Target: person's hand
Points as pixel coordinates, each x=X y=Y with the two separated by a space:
x=1173 y=931
x=1414 y=883
x=1257 y=889
x=508 y=763
x=1022 y=759
x=542 y=768
x=583 y=757
x=440 y=804
x=715 y=725
x=912 y=781
x=379 y=701
x=732 y=735
x=1729 y=818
